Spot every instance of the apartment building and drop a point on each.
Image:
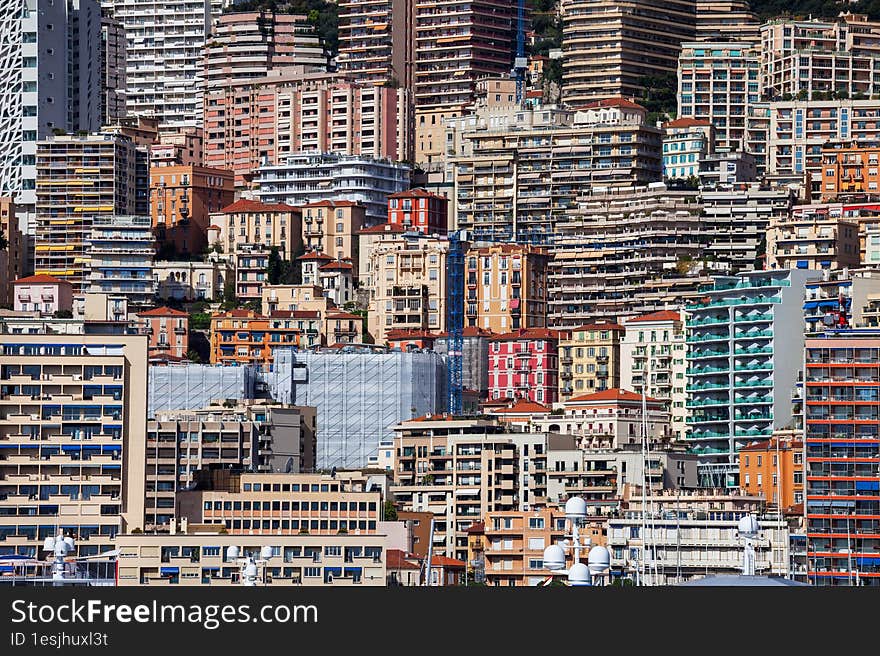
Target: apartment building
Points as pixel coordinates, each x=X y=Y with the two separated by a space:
x=308 y=297
x=548 y=160
x=199 y=557
x=506 y=287
x=42 y=294
x=284 y=504
x=247 y=222
x=686 y=142
x=525 y=364
x=265 y=121
x=332 y=227
x=691 y=535
x=774 y=469
x=309 y=178
x=652 y=357
x=244 y=46
x=14 y=257
x=807 y=239
x=79 y=178
x=176 y=447
x=456 y=42
x=409 y=284
x=243 y=337
x=417 y=209
x=646 y=40
x=168 y=330
x=250 y=263
x=727 y=168
x=73 y=433
x=849 y=168
x=377 y=41
x=624 y=253
x=367 y=239
x=610 y=419
x=799 y=130
x=841 y=452
x=810 y=58
x=515 y=543
x=167 y=87
x=743 y=361
x=182 y=198
x=841 y=293
x=50 y=57
x=343 y=328
x=192 y=281
x=121 y=251
x=719 y=82
x=589 y=358
x=441 y=464
x=178 y=146
x=737 y=218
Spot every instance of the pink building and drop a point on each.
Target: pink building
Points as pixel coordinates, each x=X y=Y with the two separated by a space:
x=254 y=123
x=417 y=209
x=525 y=364
x=42 y=293
x=168 y=331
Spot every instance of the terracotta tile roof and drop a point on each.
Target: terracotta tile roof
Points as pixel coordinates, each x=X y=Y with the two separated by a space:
x=443 y=561
x=444 y=417
x=336 y=266
x=613 y=394
x=315 y=255
x=214 y=226
x=41 y=278
x=246 y=205
x=687 y=122
x=383 y=228
x=523 y=406
x=416 y=193
x=471 y=331
x=162 y=312
x=408 y=333
x=476 y=528
x=662 y=315
x=396 y=559
x=612 y=102
x=527 y=333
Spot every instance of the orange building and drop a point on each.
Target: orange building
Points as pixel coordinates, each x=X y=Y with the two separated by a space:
x=850 y=167
x=168 y=331
x=515 y=542
x=181 y=201
x=759 y=470
x=506 y=287
x=241 y=337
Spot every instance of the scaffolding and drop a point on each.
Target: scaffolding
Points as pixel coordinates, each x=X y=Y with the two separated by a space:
x=195 y=386
x=359 y=397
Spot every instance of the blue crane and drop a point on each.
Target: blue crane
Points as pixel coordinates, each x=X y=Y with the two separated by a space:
x=520 y=63
x=455 y=322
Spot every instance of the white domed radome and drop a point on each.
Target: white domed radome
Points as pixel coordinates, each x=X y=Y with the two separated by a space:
x=266 y=552
x=250 y=570
x=575 y=508
x=599 y=560
x=554 y=557
x=232 y=553
x=579 y=574
x=748 y=525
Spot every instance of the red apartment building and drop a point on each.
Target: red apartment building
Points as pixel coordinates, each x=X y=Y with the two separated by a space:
x=168 y=331
x=417 y=209
x=525 y=364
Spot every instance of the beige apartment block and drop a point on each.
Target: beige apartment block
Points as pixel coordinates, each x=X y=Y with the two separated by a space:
x=332 y=227
x=252 y=222
x=409 y=284
x=295 y=298
x=200 y=557
x=506 y=287
x=72 y=431
x=589 y=358
x=811 y=239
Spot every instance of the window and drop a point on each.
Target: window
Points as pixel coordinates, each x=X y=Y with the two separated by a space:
x=536 y=523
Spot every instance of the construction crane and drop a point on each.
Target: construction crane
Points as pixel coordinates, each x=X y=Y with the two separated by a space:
x=520 y=63
x=455 y=322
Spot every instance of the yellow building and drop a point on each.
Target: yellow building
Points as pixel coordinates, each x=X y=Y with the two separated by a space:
x=506 y=287
x=408 y=284
x=247 y=222
x=332 y=227
x=589 y=359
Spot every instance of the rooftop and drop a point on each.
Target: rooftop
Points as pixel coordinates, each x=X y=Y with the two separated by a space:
x=41 y=279
x=246 y=205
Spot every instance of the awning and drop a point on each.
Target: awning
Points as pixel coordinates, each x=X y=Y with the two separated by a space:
x=169 y=570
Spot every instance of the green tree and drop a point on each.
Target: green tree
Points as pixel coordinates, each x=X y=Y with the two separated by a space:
x=389 y=512
x=230 y=302
x=275 y=267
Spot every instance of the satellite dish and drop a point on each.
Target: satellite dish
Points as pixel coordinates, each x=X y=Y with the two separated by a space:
x=232 y=553
x=266 y=552
x=289 y=466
